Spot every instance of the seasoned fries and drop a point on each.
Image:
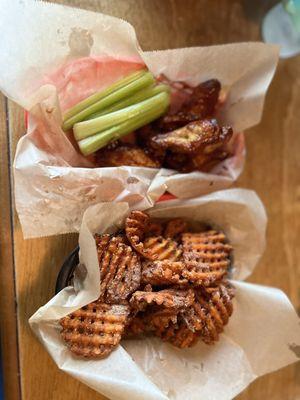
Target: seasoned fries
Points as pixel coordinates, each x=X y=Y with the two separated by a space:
x=136 y=225
x=168 y=298
x=154 y=228
x=157 y=278
x=207 y=257
x=217 y=303
x=199 y=273
x=174 y=228
x=120 y=269
x=178 y=334
x=209 y=247
x=94 y=330
x=161 y=248
x=164 y=272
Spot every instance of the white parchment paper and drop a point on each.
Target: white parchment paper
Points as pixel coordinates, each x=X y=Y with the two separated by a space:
x=261 y=336
x=55 y=56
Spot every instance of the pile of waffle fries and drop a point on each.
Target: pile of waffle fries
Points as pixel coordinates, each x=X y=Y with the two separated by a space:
x=156 y=278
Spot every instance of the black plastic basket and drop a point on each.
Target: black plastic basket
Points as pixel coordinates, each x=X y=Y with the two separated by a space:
x=66 y=272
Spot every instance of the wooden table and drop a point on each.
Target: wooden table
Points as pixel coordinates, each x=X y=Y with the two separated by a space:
x=29 y=268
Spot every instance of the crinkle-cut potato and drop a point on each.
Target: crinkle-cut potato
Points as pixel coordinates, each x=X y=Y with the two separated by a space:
x=169 y=298
x=136 y=225
x=174 y=228
x=164 y=272
x=154 y=228
x=218 y=306
x=120 y=269
x=161 y=248
x=209 y=247
x=94 y=330
x=200 y=274
x=153 y=320
x=178 y=334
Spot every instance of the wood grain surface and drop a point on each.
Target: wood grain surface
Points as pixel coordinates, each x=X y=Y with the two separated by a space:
x=29 y=268
x=8 y=317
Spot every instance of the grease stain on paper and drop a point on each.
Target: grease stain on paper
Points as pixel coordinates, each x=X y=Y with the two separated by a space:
x=80 y=42
x=132 y=180
x=295 y=348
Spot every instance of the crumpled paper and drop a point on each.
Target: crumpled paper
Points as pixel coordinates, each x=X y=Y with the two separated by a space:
x=261 y=336
x=55 y=56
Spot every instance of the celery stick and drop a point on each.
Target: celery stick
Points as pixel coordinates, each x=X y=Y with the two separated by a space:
x=99 y=95
x=135 y=98
x=93 y=143
x=88 y=128
x=145 y=80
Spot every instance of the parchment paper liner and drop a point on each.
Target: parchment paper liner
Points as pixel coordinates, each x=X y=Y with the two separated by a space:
x=261 y=336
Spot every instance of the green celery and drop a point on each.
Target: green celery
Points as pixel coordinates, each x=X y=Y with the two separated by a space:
x=106 y=100
x=93 y=143
x=135 y=98
x=99 y=95
x=88 y=128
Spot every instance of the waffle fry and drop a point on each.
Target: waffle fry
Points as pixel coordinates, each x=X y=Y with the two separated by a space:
x=209 y=236
x=136 y=225
x=179 y=335
x=161 y=248
x=174 y=228
x=148 y=288
x=94 y=330
x=163 y=272
x=198 y=273
x=103 y=240
x=160 y=319
x=215 y=261
x=204 y=319
x=217 y=303
x=194 y=316
x=207 y=257
x=168 y=298
x=210 y=248
x=120 y=269
x=156 y=320
x=137 y=326
x=155 y=228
